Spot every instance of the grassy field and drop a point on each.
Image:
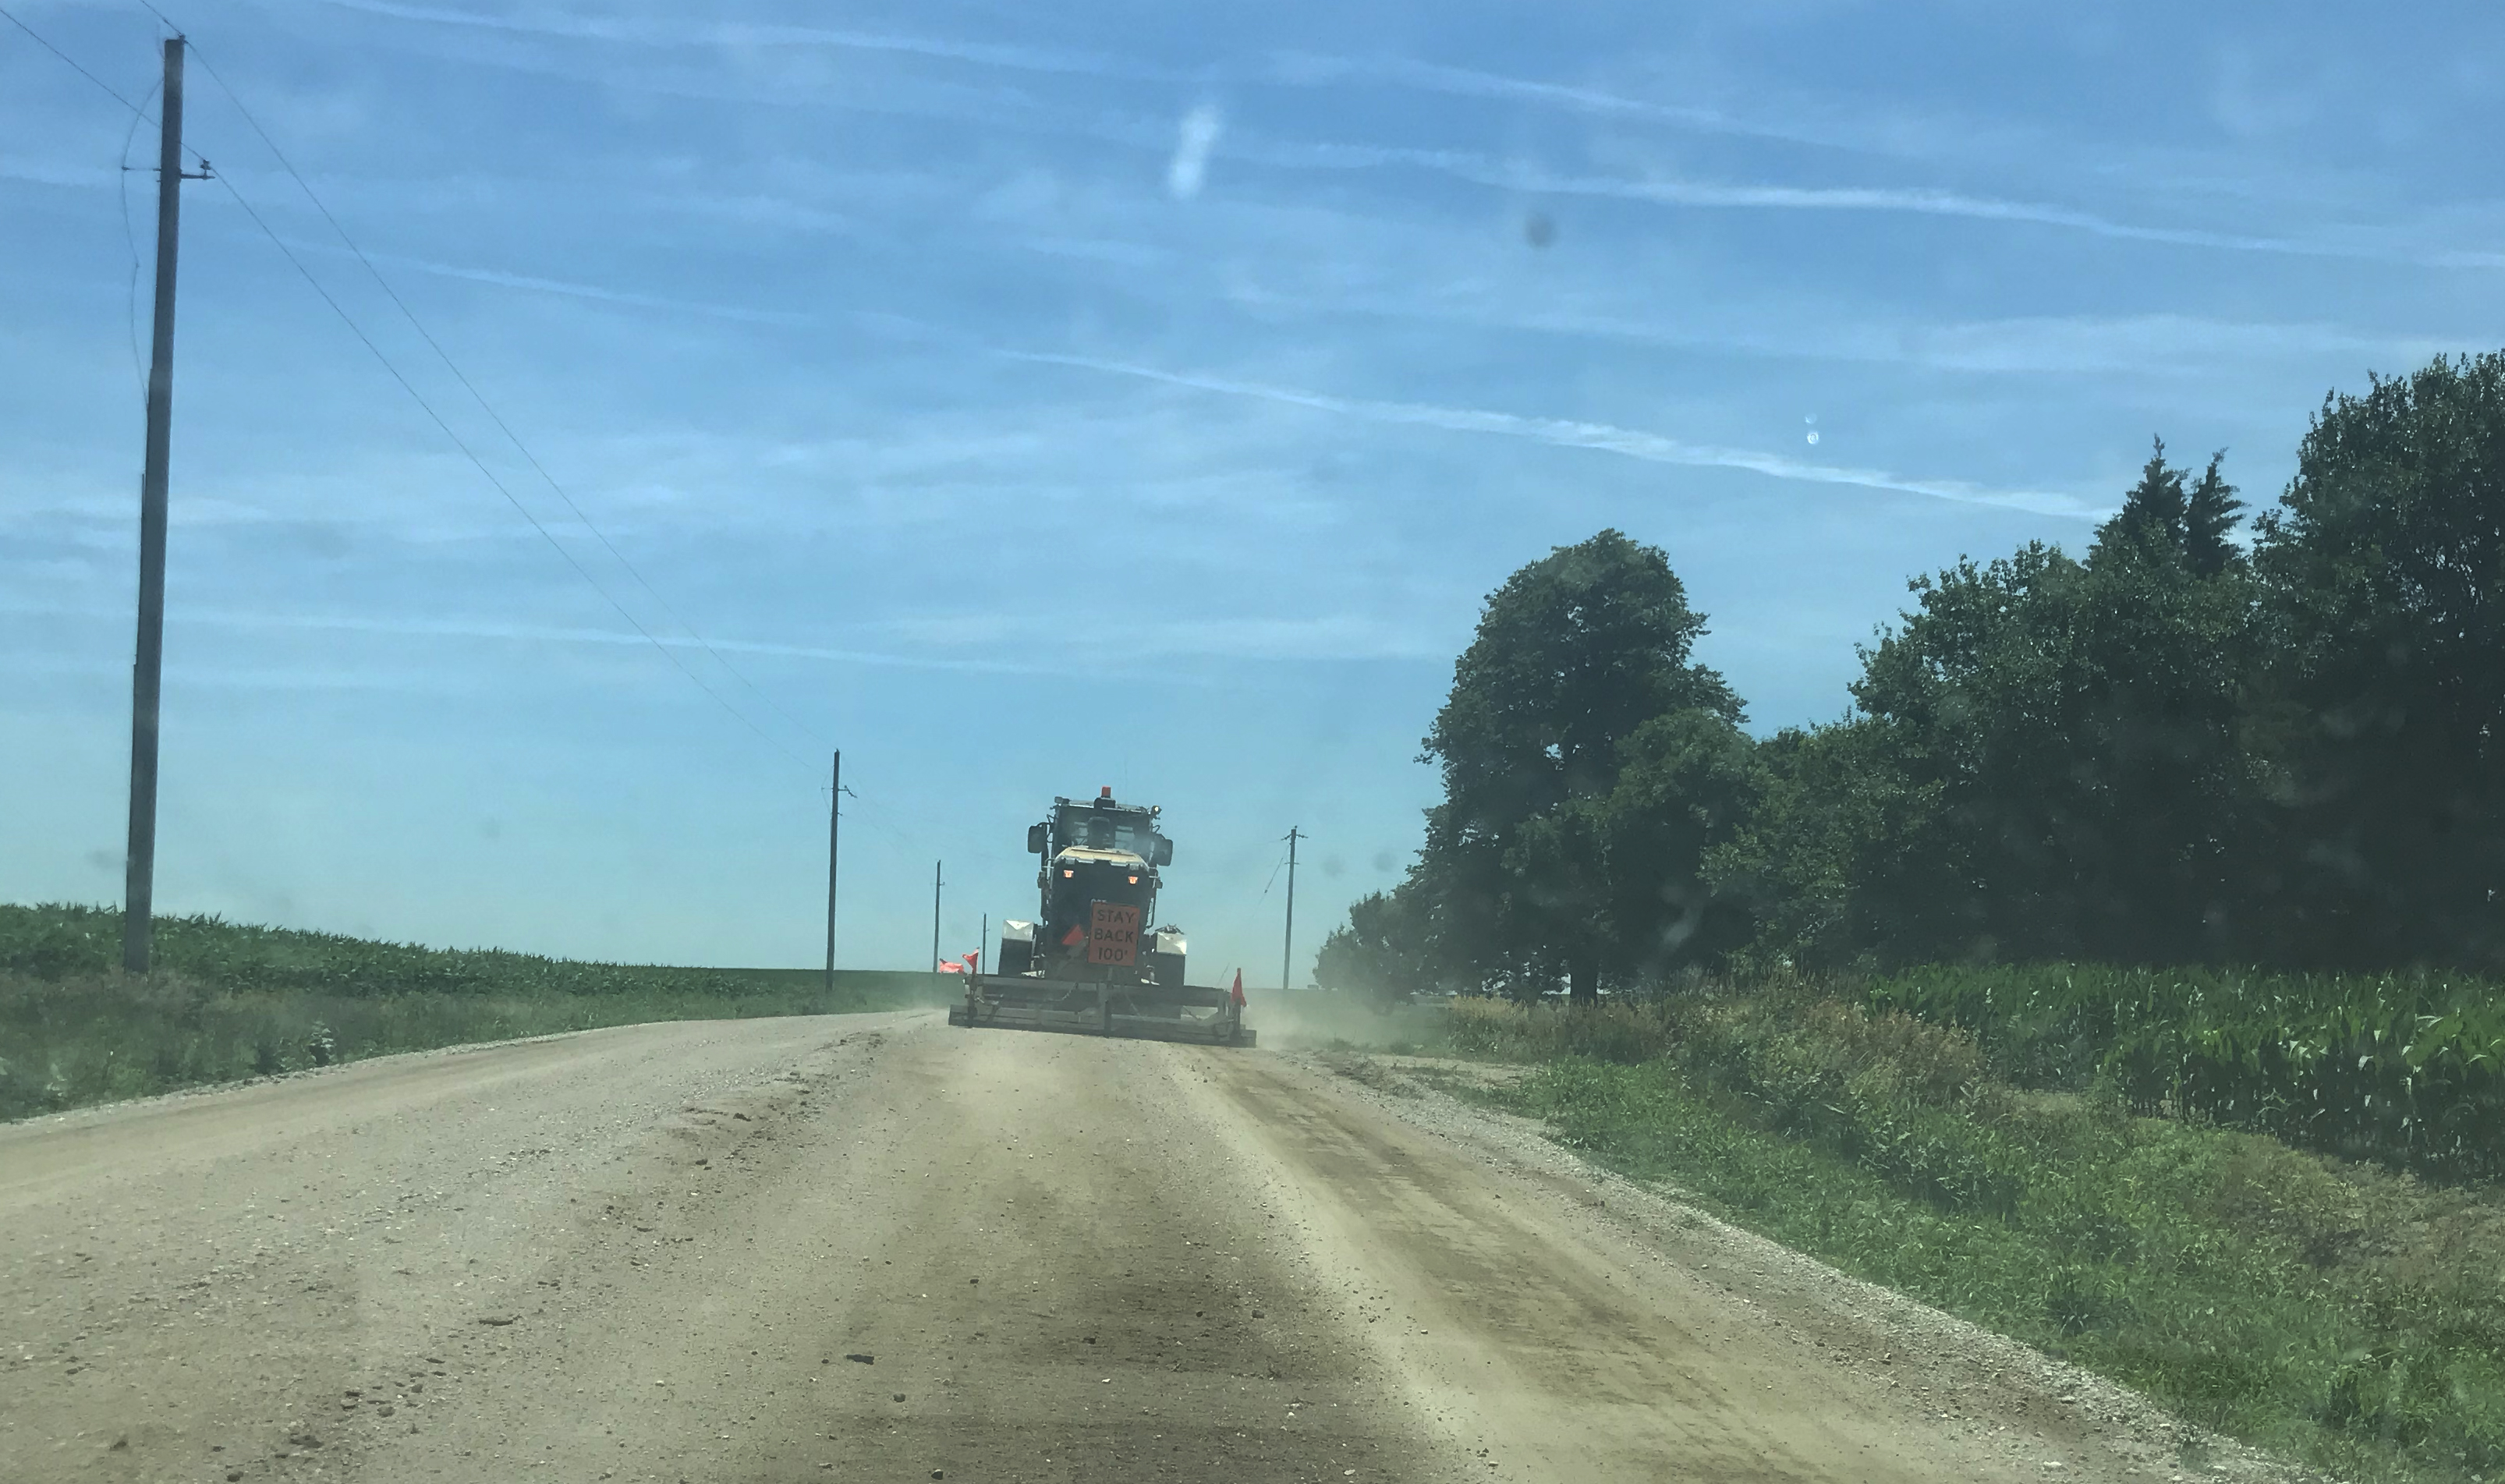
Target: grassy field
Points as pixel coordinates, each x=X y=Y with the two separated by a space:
x=228 y=1002
x=2336 y=1311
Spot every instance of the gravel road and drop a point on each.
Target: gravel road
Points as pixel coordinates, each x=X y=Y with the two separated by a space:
x=874 y=1247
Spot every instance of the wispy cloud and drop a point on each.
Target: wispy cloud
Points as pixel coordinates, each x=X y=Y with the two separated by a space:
x=563 y=288
x=662 y=33
x=1190 y=164
x=1950 y=203
x=1602 y=437
x=1285 y=68
x=1314 y=70
x=55 y=172
x=1326 y=637
x=2167 y=345
x=194 y=675
x=1339 y=636
x=1909 y=201
x=537 y=633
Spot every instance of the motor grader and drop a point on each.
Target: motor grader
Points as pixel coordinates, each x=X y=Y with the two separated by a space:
x=1095 y=961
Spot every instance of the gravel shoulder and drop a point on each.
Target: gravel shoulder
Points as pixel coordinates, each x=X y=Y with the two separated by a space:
x=1949 y=1382
x=873 y=1247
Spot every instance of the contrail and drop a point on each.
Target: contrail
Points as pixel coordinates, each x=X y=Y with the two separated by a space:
x=1286 y=69
x=499 y=278
x=1303 y=69
x=1300 y=70
x=1919 y=202
x=560 y=24
x=1565 y=433
x=537 y=633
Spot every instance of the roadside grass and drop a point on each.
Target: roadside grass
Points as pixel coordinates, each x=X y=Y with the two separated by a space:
x=231 y=1002
x=2330 y=1311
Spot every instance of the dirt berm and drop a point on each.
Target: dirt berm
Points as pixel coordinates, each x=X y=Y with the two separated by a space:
x=872 y=1248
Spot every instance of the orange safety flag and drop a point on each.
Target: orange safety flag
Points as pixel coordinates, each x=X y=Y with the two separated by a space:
x=1237 y=993
x=947 y=968
x=1076 y=934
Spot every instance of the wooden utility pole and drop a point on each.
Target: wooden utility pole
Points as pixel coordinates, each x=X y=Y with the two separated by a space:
x=1288 y=956
x=147 y=670
x=934 y=916
x=834 y=827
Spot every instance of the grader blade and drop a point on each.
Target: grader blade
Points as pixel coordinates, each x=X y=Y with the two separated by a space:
x=1143 y=1011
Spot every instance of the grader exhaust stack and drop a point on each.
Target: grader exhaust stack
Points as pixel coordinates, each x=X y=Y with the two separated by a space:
x=1095 y=961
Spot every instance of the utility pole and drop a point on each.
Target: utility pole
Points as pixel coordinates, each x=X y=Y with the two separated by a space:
x=1288 y=956
x=834 y=834
x=935 y=884
x=147 y=670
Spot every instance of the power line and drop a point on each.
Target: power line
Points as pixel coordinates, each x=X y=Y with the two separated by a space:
x=875 y=808
x=138 y=115
x=1274 y=871
x=865 y=812
x=489 y=474
x=129 y=239
x=466 y=385
x=110 y=90
x=414 y=395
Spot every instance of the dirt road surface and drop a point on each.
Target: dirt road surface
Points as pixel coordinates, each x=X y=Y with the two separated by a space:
x=874 y=1247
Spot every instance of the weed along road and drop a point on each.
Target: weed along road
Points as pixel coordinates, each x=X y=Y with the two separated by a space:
x=875 y=1248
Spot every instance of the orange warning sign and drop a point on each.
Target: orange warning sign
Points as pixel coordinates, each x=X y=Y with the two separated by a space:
x=1114 y=934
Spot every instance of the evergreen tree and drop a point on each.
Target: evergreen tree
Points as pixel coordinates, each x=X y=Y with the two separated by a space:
x=2208 y=516
x=2152 y=514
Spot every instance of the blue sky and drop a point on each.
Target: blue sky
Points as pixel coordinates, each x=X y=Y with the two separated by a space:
x=1028 y=398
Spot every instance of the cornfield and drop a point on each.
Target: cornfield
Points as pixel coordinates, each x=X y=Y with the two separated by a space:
x=2404 y=1069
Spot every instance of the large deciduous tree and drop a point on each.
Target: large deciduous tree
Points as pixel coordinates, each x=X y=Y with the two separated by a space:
x=1380 y=951
x=1686 y=781
x=2385 y=585
x=1531 y=872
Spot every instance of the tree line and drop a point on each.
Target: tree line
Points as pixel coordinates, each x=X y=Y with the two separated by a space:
x=2276 y=748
